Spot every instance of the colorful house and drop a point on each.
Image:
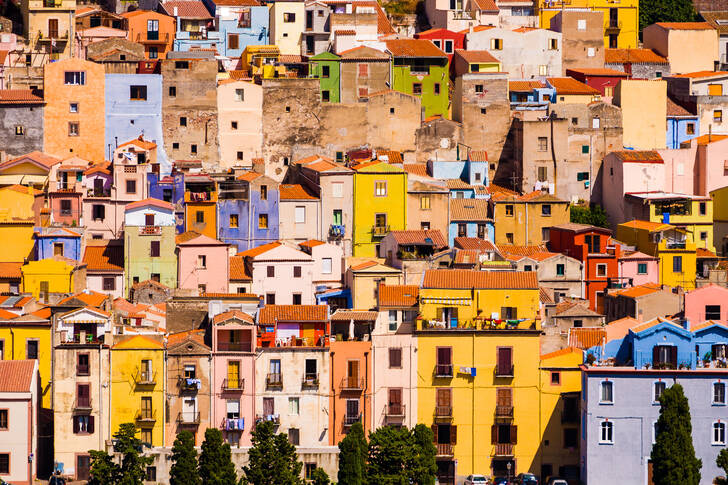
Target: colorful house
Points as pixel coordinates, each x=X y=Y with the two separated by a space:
x=682 y=124
x=201 y=208
x=56 y=274
x=240 y=24
x=465 y=394
x=525 y=219
x=287 y=26
x=351 y=376
x=603 y=80
x=421 y=69
x=380 y=204
x=446 y=40
x=466 y=61
x=364 y=70
x=202 y=263
x=155 y=31
x=470 y=218
x=20 y=202
x=29 y=337
x=31 y=169
x=137 y=385
x=104 y=262
x=49 y=29
x=636 y=268
x=57 y=242
x=326 y=67
x=193 y=20
x=569 y=90
x=706 y=303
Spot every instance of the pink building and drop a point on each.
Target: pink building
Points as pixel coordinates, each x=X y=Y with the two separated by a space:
x=706 y=303
x=328 y=262
x=641 y=268
x=203 y=263
x=96 y=34
x=19 y=412
x=233 y=385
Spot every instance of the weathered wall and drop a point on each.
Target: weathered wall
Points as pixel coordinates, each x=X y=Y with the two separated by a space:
x=582 y=47
x=30 y=117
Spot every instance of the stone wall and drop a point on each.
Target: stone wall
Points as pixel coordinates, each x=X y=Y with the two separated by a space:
x=30 y=117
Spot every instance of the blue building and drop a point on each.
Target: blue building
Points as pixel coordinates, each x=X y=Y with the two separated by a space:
x=682 y=125
x=239 y=25
x=195 y=26
x=525 y=95
x=170 y=188
x=247 y=211
x=469 y=218
x=466 y=179
x=133 y=108
x=57 y=241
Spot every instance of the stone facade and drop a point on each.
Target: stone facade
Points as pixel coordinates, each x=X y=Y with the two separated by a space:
x=583 y=41
x=364 y=71
x=30 y=118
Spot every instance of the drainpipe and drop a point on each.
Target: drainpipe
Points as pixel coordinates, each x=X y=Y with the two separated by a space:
x=101 y=404
x=366 y=385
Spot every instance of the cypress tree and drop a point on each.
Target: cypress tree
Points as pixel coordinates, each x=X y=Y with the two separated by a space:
x=424 y=464
x=271 y=459
x=216 y=465
x=353 y=457
x=184 y=458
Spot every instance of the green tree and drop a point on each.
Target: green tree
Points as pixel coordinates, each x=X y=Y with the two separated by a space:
x=424 y=465
x=652 y=11
x=353 y=457
x=216 y=465
x=594 y=215
x=184 y=458
x=673 y=454
x=320 y=477
x=271 y=459
x=390 y=455
x=103 y=469
x=722 y=462
x=133 y=463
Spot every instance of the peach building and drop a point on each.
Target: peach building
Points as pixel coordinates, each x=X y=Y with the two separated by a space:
x=203 y=263
x=240 y=125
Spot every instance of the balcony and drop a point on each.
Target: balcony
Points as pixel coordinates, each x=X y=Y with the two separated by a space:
x=151 y=38
x=503 y=449
x=273 y=418
x=232 y=424
x=310 y=380
x=504 y=412
x=146 y=416
x=82 y=405
x=613 y=27
x=233 y=385
x=188 y=385
x=444 y=449
x=462 y=15
x=145 y=378
x=352 y=384
x=274 y=380
x=234 y=347
x=150 y=230
x=443 y=370
x=98 y=193
x=443 y=412
x=394 y=410
x=83 y=339
x=504 y=370
x=337 y=231
x=189 y=418
x=380 y=231
x=477 y=324
x=51 y=36
x=350 y=419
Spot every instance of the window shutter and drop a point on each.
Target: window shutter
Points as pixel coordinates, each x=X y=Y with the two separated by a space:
x=494 y=434
x=91 y=424
x=434 y=432
x=673 y=356
x=514 y=437
x=75 y=425
x=453 y=435
x=655 y=354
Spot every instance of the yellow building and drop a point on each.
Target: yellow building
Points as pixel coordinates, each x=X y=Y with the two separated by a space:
x=137 y=385
x=29 y=337
x=720 y=219
x=53 y=275
x=560 y=386
x=262 y=60
x=363 y=279
x=17 y=218
x=676 y=255
x=570 y=91
x=477 y=375
x=524 y=219
x=49 y=27
x=621 y=19
x=644 y=110
x=380 y=204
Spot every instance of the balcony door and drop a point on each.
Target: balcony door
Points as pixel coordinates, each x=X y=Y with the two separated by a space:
x=233 y=374
x=189 y=410
x=352 y=372
x=152 y=29
x=53 y=30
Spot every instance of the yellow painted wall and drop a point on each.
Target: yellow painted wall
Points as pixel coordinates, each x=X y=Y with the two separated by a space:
x=26 y=168
x=59 y=275
x=574 y=98
x=15 y=337
x=126 y=395
x=21 y=234
x=527 y=228
x=17 y=203
x=209 y=211
x=644 y=108
x=694 y=223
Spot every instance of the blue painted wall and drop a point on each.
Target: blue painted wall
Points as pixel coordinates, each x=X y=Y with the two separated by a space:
x=705 y=338
x=465 y=170
x=71 y=246
x=247 y=235
x=677 y=131
x=471 y=229
x=256 y=34
x=126 y=119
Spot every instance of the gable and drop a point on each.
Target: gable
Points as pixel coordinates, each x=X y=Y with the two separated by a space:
x=188 y=347
x=84 y=315
x=283 y=253
x=138 y=342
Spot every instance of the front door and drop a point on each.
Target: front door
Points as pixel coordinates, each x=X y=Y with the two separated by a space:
x=83 y=465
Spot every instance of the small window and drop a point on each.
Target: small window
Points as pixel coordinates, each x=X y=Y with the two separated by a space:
x=719 y=393
x=416 y=88
x=201 y=261
x=326 y=266
x=601 y=269
x=73 y=128
x=19 y=130
x=270 y=271
x=448 y=46
x=658 y=388
x=555 y=378
x=289 y=17
x=297 y=298
x=496 y=44
x=560 y=269
x=690 y=128
x=175 y=146
x=325 y=72
x=543 y=174
x=380 y=188
x=109 y=284
x=293 y=406
x=270 y=299
x=606 y=435
x=425 y=202
x=607 y=392
x=641 y=268
x=154 y=249
x=239 y=95
x=478 y=88
x=553 y=44
x=300 y=214
x=31 y=351
x=543 y=144
x=151 y=474
x=703 y=208
x=73 y=107
x=509 y=237
x=4 y=463
x=437 y=88
x=325 y=96
x=233 y=220
x=3 y=419
x=263 y=192
x=718 y=433
x=296 y=271
x=585 y=149
x=509 y=210
x=75 y=78
x=193 y=149
x=263 y=221
x=182 y=64
x=183 y=121
x=233 y=125
x=546 y=210
x=131 y=187
x=677 y=264
x=138 y=93
x=703 y=236
x=718 y=116
x=395 y=357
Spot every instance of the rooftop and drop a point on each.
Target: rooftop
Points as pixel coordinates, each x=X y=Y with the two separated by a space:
x=569 y=86
x=292 y=313
x=16 y=375
x=467 y=279
x=398 y=295
x=413 y=48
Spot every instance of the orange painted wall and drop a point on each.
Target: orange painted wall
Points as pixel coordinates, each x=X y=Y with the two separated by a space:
x=341 y=353
x=90 y=115
x=138 y=31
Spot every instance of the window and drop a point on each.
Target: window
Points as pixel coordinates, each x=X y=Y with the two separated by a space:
x=416 y=88
x=718 y=115
x=263 y=221
x=380 y=188
x=199 y=217
x=98 y=212
x=183 y=121
x=543 y=174
x=263 y=192
x=481 y=231
x=601 y=269
x=233 y=220
x=300 y=214
x=509 y=237
x=362 y=69
x=4 y=463
x=607 y=430
x=201 y=261
x=462 y=229
x=3 y=419
x=293 y=406
x=581 y=24
x=175 y=146
x=543 y=144
x=154 y=249
x=719 y=393
x=641 y=268
x=444 y=361
x=690 y=128
x=326 y=266
x=138 y=93
x=571 y=438
x=703 y=236
x=293 y=436
x=425 y=202
x=546 y=210
x=74 y=78
x=325 y=71
x=553 y=44
x=131 y=187
x=560 y=269
x=82 y=364
x=528 y=267
x=289 y=17
x=73 y=128
x=151 y=475
x=437 y=88
x=153 y=52
x=19 y=130
x=555 y=378
x=504 y=355
x=496 y=44
x=592 y=243
x=325 y=96
x=337 y=189
x=658 y=388
x=31 y=351
x=718 y=433
x=297 y=298
x=607 y=392
x=271 y=271
x=392 y=320
x=509 y=210
x=296 y=271
x=109 y=284
x=677 y=264
x=448 y=46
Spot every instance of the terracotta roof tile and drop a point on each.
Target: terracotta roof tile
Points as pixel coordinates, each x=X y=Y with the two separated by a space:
x=704 y=253
x=356 y=315
x=429 y=236
x=685 y=25
x=478 y=156
x=638 y=291
x=237 y=269
x=294 y=192
x=466 y=279
x=398 y=295
x=416 y=169
x=568 y=86
x=469 y=209
x=527 y=251
x=709 y=323
x=646 y=225
x=487 y=5
x=11 y=270
x=477 y=28
x=413 y=48
x=480 y=56
x=198 y=335
x=104 y=257
x=524 y=86
x=16 y=375
x=544 y=296
x=391 y=156
x=675 y=110
x=92 y=298
x=699 y=74
x=19 y=96
x=633 y=56
x=596 y=71
x=236 y=3
x=229 y=315
x=293 y=313
x=249 y=176
x=153 y=202
x=140 y=142
x=653 y=323
x=257 y=251
x=311 y=243
x=584 y=338
x=474 y=243
x=39 y=157
x=707 y=139
x=364 y=265
x=186 y=9
x=638 y=156
x=560 y=352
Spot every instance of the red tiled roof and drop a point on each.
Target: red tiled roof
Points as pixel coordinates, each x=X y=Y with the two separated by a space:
x=685 y=25
x=527 y=251
x=237 y=269
x=311 y=243
x=150 y=201
x=92 y=298
x=429 y=236
x=584 y=338
x=413 y=48
x=398 y=295
x=392 y=156
x=348 y=315
x=249 y=176
x=466 y=279
x=633 y=56
x=237 y=3
x=674 y=109
x=364 y=265
x=474 y=243
x=638 y=156
x=560 y=352
x=707 y=139
x=524 y=86
x=36 y=156
x=19 y=96
x=416 y=169
x=478 y=156
x=140 y=142
x=468 y=209
x=257 y=251
x=189 y=9
x=475 y=56
x=477 y=28
x=16 y=375
x=638 y=291
x=11 y=270
x=294 y=192
x=699 y=74
x=568 y=85
x=293 y=313
x=646 y=225
x=229 y=315
x=597 y=71
x=487 y=5
x=104 y=257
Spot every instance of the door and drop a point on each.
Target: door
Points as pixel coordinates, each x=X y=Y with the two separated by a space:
x=395 y=402
x=84 y=398
x=444 y=403
x=53 y=30
x=98 y=187
x=152 y=29
x=146 y=407
x=352 y=372
x=309 y=20
x=352 y=409
x=189 y=410
x=233 y=375
x=505 y=361
x=83 y=465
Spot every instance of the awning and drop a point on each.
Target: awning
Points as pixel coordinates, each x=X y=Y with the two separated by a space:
x=448 y=301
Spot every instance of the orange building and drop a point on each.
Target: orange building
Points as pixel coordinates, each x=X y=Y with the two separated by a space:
x=201 y=213
x=153 y=30
x=74 y=114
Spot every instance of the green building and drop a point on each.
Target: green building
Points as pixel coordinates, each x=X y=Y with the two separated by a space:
x=325 y=67
x=149 y=243
x=421 y=69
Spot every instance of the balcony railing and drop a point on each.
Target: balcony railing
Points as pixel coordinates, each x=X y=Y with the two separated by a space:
x=150 y=230
x=234 y=346
x=188 y=417
x=395 y=410
x=145 y=378
x=310 y=380
x=274 y=380
x=352 y=384
x=443 y=412
x=233 y=385
x=613 y=25
x=51 y=36
x=444 y=449
x=380 y=231
x=273 y=418
x=150 y=38
x=350 y=419
x=232 y=424
x=146 y=416
x=98 y=193
x=337 y=231
x=187 y=385
x=505 y=412
x=503 y=449
x=443 y=370
x=504 y=370
x=83 y=404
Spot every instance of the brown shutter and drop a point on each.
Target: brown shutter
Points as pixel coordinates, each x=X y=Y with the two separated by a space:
x=91 y=424
x=75 y=424
x=504 y=360
x=494 y=434
x=655 y=354
x=453 y=435
x=514 y=436
x=504 y=396
x=395 y=396
x=673 y=356
x=434 y=432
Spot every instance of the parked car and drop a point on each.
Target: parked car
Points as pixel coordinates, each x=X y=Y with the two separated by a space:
x=502 y=481
x=557 y=481
x=526 y=479
x=476 y=480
